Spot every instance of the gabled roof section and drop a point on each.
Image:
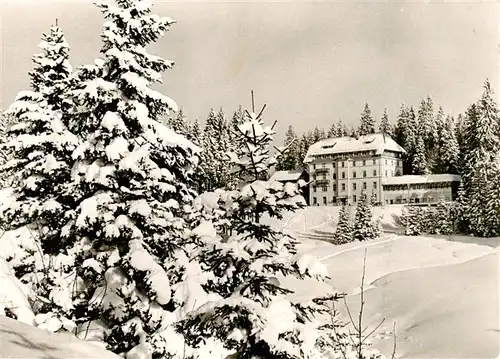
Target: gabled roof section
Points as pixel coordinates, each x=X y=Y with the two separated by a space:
x=377 y=142
x=418 y=179
x=286 y=176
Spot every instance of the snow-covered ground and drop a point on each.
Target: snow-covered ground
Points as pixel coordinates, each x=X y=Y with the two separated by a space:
x=442 y=292
x=19 y=340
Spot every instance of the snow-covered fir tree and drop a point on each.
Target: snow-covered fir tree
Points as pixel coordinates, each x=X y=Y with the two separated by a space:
x=411 y=220
x=6 y=121
x=318 y=135
x=442 y=222
x=342 y=129
x=178 y=123
x=367 y=125
x=420 y=165
x=459 y=210
x=332 y=131
x=480 y=171
x=117 y=211
x=39 y=163
x=246 y=265
x=483 y=207
x=195 y=134
x=51 y=74
x=288 y=161
x=364 y=226
x=385 y=127
x=304 y=144
x=405 y=134
x=426 y=137
x=217 y=143
x=236 y=120
x=344 y=230
x=448 y=150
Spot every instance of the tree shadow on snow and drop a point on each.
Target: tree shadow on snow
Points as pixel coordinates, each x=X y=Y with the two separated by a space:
x=40 y=350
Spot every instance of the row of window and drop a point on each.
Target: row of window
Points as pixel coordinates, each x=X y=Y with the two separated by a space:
x=343 y=186
x=354 y=174
x=334 y=200
x=415 y=200
x=363 y=163
x=402 y=187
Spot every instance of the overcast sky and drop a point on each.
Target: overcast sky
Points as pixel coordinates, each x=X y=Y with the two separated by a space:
x=311 y=62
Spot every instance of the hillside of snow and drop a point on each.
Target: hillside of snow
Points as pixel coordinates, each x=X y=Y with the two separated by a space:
x=442 y=292
x=324 y=218
x=19 y=340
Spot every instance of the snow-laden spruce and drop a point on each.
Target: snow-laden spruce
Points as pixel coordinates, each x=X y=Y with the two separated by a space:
x=40 y=150
x=365 y=226
x=480 y=205
x=344 y=230
x=110 y=201
x=133 y=178
x=215 y=168
x=249 y=311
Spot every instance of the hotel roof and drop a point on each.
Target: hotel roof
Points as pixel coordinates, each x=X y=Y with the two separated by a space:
x=286 y=176
x=377 y=142
x=414 y=179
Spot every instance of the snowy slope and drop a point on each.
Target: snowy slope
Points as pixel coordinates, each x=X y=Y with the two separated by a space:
x=324 y=218
x=442 y=292
x=443 y=295
x=18 y=340
x=440 y=312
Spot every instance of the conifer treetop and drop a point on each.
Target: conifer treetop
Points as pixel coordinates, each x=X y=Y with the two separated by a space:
x=52 y=66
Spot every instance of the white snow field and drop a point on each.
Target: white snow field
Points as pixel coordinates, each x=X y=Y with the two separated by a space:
x=442 y=292
x=19 y=340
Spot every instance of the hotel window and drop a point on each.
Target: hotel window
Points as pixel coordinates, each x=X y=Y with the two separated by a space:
x=324 y=200
x=343 y=174
x=374 y=162
x=374 y=185
x=386 y=173
x=314 y=200
x=354 y=198
x=334 y=186
x=314 y=166
x=333 y=164
x=343 y=186
x=364 y=185
x=324 y=188
x=354 y=174
x=364 y=163
x=385 y=161
x=334 y=175
x=342 y=164
x=314 y=189
x=364 y=173
x=354 y=186
x=374 y=173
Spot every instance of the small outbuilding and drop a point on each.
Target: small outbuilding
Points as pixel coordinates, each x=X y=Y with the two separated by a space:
x=293 y=176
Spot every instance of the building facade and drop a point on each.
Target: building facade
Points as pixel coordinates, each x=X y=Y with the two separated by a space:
x=341 y=169
x=420 y=189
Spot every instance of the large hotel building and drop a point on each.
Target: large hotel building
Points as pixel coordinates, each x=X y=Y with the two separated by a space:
x=342 y=169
